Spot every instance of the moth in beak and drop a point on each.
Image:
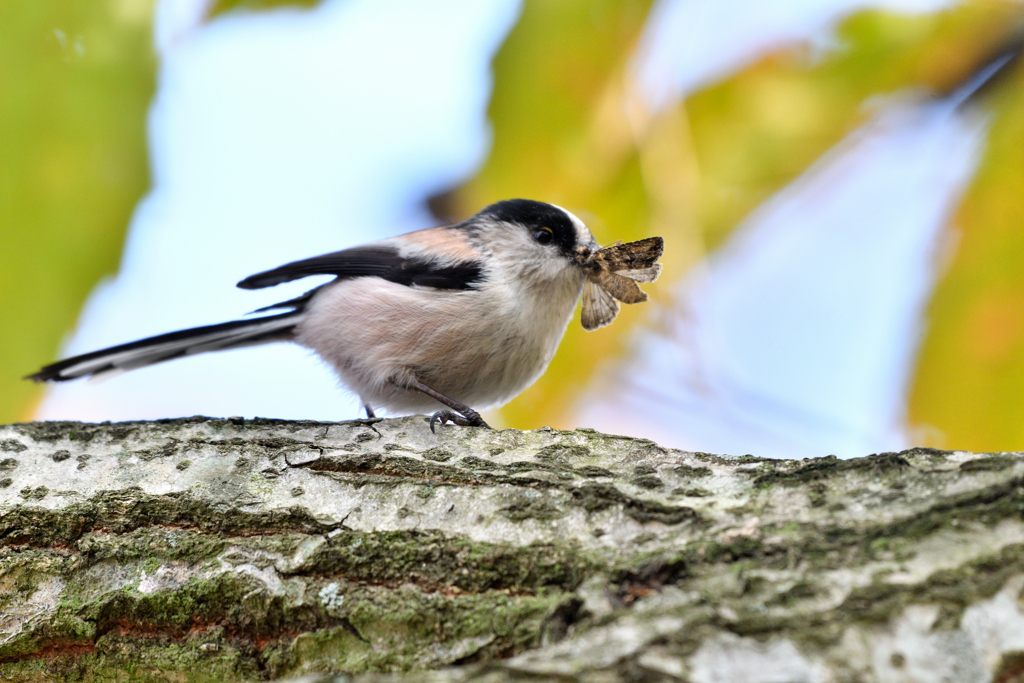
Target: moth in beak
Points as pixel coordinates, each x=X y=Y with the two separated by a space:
x=613 y=274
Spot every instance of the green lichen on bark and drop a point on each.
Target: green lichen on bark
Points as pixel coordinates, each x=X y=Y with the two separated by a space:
x=232 y=550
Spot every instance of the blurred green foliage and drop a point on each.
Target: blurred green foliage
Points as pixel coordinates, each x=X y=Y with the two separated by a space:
x=765 y=125
x=76 y=79
x=219 y=7
x=968 y=390
x=762 y=127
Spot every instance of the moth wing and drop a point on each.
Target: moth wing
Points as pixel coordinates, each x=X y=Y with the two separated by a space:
x=622 y=288
x=637 y=255
x=642 y=274
x=599 y=308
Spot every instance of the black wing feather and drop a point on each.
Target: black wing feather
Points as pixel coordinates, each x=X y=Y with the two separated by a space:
x=381 y=261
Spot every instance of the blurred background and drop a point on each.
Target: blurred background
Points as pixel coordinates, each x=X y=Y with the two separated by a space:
x=840 y=185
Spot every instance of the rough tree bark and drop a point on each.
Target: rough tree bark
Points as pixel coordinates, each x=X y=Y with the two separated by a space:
x=224 y=550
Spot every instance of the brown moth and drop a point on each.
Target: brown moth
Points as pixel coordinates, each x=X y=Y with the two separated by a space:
x=614 y=274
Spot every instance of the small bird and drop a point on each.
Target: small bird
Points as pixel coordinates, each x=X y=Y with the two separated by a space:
x=463 y=315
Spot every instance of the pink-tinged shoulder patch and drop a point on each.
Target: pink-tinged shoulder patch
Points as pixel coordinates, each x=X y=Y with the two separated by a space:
x=442 y=240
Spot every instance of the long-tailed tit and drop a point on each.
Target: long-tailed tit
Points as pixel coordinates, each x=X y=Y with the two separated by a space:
x=462 y=315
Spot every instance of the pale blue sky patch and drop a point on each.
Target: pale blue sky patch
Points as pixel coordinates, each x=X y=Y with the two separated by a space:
x=689 y=44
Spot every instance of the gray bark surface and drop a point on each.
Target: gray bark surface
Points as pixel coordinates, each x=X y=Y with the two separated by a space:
x=236 y=550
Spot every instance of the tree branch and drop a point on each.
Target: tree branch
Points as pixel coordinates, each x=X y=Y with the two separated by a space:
x=258 y=549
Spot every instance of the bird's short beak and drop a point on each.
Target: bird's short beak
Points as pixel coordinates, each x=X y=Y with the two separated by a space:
x=583 y=254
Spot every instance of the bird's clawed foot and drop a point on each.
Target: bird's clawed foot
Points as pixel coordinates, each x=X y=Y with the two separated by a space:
x=460 y=413
x=469 y=418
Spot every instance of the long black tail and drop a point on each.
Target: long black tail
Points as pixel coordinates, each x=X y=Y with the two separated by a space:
x=152 y=350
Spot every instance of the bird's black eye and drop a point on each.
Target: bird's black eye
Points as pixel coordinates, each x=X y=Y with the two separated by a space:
x=543 y=235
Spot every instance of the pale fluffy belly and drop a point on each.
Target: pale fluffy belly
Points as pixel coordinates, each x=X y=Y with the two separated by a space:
x=474 y=349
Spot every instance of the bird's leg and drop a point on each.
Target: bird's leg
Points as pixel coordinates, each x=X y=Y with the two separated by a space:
x=369 y=411
x=463 y=415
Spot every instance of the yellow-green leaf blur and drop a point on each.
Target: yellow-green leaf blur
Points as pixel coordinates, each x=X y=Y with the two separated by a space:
x=76 y=79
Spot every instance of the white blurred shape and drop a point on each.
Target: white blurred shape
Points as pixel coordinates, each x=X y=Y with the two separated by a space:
x=276 y=136
x=798 y=338
x=175 y=20
x=688 y=44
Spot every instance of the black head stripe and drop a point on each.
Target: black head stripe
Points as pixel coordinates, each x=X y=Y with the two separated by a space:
x=532 y=215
